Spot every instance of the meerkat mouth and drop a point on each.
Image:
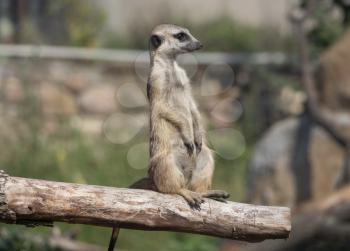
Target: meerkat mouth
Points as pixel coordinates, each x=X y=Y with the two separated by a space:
x=194 y=46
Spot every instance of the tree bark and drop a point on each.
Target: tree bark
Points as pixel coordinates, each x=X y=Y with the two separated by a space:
x=38 y=202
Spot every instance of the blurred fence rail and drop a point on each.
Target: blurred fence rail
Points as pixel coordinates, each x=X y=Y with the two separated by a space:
x=129 y=56
x=92 y=87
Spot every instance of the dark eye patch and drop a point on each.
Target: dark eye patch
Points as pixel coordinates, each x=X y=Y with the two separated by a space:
x=156 y=41
x=181 y=36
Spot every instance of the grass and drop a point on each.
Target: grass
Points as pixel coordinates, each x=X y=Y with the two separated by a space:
x=69 y=156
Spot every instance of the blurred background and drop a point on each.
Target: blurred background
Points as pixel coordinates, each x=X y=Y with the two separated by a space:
x=272 y=83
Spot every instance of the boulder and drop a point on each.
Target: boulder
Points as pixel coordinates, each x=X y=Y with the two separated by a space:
x=13 y=90
x=272 y=178
x=99 y=99
x=56 y=100
x=76 y=82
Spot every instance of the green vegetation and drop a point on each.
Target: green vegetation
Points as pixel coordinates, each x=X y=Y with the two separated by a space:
x=65 y=22
x=83 y=23
x=72 y=158
x=69 y=156
x=328 y=29
x=16 y=240
x=220 y=34
x=226 y=34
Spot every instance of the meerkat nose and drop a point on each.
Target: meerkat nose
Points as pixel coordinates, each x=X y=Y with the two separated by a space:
x=199 y=45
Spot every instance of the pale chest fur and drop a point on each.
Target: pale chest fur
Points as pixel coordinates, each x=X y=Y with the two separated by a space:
x=181 y=76
x=179 y=90
x=172 y=85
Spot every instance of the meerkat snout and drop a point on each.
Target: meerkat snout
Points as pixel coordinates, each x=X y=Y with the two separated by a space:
x=169 y=39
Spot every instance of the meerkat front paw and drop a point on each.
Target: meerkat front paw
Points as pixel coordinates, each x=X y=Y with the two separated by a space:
x=194 y=199
x=190 y=147
x=198 y=141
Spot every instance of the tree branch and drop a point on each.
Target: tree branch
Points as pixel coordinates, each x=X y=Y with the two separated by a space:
x=326 y=220
x=38 y=202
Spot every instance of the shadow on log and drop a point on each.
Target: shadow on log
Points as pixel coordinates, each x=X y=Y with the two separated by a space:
x=38 y=202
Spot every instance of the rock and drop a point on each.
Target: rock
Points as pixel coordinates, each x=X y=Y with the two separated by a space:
x=216 y=78
x=226 y=111
x=91 y=125
x=13 y=90
x=130 y=95
x=275 y=178
x=76 y=82
x=210 y=87
x=58 y=70
x=121 y=128
x=334 y=75
x=56 y=100
x=99 y=99
x=290 y=101
x=272 y=178
x=75 y=77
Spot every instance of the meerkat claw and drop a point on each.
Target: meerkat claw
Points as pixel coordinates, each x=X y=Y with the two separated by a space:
x=198 y=147
x=190 y=148
x=196 y=201
x=196 y=205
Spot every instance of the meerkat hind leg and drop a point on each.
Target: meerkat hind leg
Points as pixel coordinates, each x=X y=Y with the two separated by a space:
x=169 y=179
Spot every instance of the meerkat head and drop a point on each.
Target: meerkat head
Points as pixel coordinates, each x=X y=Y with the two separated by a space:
x=171 y=40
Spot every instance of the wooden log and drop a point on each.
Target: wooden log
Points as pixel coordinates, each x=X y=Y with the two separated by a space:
x=38 y=202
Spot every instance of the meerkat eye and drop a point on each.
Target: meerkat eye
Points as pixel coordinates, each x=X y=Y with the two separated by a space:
x=181 y=36
x=156 y=41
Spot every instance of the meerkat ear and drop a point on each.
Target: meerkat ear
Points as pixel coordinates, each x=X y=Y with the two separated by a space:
x=156 y=41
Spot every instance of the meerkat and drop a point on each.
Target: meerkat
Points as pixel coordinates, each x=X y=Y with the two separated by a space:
x=180 y=160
